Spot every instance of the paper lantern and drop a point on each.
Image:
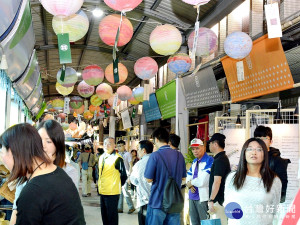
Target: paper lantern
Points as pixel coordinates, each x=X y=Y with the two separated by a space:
x=95 y=100
x=62 y=8
x=109 y=73
x=75 y=25
x=76 y=102
x=165 y=39
x=58 y=103
x=63 y=90
x=62 y=116
x=88 y=115
x=73 y=126
x=238 y=45
x=196 y=2
x=104 y=91
x=93 y=75
x=93 y=108
x=108 y=30
x=70 y=77
x=107 y=108
x=138 y=94
x=48 y=117
x=80 y=110
x=50 y=106
x=133 y=101
x=124 y=93
x=65 y=126
x=206 y=43
x=111 y=101
x=122 y=5
x=145 y=68
x=85 y=90
x=179 y=63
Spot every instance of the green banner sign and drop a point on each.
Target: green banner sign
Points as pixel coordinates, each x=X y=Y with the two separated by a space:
x=166 y=98
x=64 y=49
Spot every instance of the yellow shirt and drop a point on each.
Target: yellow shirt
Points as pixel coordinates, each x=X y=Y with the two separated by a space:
x=109 y=182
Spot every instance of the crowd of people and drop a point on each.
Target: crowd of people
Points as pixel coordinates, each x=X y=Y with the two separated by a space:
x=41 y=164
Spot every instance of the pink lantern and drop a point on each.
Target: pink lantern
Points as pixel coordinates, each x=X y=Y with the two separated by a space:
x=73 y=126
x=62 y=8
x=76 y=102
x=133 y=101
x=196 y=2
x=109 y=73
x=111 y=101
x=165 y=39
x=145 y=68
x=104 y=91
x=206 y=43
x=85 y=90
x=122 y=5
x=124 y=93
x=108 y=29
x=93 y=75
x=80 y=110
x=179 y=63
x=62 y=116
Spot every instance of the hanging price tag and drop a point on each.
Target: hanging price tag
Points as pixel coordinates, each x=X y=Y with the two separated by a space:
x=140 y=110
x=86 y=105
x=95 y=115
x=66 y=105
x=67 y=118
x=195 y=39
x=240 y=71
x=105 y=122
x=115 y=104
x=79 y=118
x=273 y=20
x=146 y=92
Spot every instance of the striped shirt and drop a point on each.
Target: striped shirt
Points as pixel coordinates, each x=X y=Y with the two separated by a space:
x=137 y=178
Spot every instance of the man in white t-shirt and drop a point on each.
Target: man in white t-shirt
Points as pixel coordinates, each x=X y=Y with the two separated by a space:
x=127 y=159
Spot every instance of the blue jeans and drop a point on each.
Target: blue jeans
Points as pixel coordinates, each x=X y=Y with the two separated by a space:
x=159 y=217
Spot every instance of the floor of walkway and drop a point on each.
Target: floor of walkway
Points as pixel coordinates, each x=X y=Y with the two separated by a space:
x=92 y=213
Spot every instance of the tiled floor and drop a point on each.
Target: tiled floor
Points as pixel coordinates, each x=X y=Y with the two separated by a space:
x=91 y=206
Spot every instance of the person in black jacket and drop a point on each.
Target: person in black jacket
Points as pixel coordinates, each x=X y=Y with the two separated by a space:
x=276 y=163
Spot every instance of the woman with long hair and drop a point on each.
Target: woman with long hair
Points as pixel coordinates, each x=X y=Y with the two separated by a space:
x=253 y=186
x=50 y=196
x=53 y=140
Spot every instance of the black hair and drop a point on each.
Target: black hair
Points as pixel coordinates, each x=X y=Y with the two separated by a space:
x=175 y=140
x=57 y=136
x=146 y=145
x=161 y=134
x=262 y=131
x=26 y=146
x=100 y=150
x=133 y=150
x=121 y=142
x=267 y=175
x=221 y=143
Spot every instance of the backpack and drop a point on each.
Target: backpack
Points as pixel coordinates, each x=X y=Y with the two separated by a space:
x=172 y=199
x=85 y=165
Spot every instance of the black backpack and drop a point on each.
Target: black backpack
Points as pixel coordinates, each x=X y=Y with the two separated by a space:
x=172 y=200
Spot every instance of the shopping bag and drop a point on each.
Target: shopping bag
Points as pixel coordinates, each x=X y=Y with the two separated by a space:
x=211 y=222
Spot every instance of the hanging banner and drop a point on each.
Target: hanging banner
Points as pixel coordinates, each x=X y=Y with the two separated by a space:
x=273 y=20
x=126 y=119
x=151 y=109
x=269 y=71
x=166 y=98
x=202 y=89
x=66 y=105
x=64 y=49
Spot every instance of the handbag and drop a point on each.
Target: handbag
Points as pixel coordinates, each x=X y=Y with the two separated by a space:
x=85 y=165
x=211 y=222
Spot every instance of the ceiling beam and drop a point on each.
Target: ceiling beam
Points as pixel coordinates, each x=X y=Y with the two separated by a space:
x=45 y=33
x=78 y=46
x=91 y=25
x=222 y=9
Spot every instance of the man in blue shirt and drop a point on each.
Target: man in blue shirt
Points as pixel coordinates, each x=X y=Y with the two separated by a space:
x=157 y=174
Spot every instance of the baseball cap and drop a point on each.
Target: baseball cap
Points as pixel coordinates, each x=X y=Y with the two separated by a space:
x=217 y=137
x=196 y=142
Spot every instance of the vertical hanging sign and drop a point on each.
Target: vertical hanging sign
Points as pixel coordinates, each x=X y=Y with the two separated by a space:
x=146 y=92
x=64 y=49
x=66 y=105
x=273 y=20
x=86 y=105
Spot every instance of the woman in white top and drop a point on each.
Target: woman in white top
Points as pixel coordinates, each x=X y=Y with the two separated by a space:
x=253 y=186
x=53 y=139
